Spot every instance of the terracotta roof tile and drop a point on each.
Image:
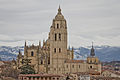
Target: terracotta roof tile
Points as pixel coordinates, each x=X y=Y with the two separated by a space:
x=105 y=78
x=118 y=73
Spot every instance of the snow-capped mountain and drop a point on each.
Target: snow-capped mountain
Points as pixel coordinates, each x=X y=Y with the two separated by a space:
x=13 y=50
x=105 y=53
x=8 y=52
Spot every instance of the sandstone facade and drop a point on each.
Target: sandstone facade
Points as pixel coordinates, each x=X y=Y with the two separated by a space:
x=54 y=56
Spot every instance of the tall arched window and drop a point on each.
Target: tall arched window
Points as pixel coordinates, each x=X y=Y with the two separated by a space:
x=54 y=50
x=59 y=36
x=55 y=36
x=67 y=66
x=41 y=61
x=59 y=50
x=32 y=53
x=72 y=66
x=49 y=61
x=57 y=26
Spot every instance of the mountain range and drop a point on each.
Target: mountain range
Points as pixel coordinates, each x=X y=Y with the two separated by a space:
x=104 y=53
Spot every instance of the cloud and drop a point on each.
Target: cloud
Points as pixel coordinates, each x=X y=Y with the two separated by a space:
x=87 y=21
x=5 y=39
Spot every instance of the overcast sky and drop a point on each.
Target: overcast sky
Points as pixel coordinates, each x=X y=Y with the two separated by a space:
x=87 y=21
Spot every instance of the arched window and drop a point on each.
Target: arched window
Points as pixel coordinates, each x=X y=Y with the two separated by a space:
x=72 y=66
x=67 y=66
x=55 y=36
x=33 y=78
x=32 y=53
x=48 y=61
x=57 y=26
x=59 y=36
x=95 y=61
x=45 y=78
x=59 y=50
x=29 y=78
x=41 y=61
x=37 y=78
x=90 y=66
x=54 y=50
x=90 y=61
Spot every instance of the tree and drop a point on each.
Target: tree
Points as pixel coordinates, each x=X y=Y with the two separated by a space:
x=26 y=68
x=8 y=71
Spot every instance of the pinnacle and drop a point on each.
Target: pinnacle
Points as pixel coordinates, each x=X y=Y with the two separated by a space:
x=92 y=44
x=59 y=10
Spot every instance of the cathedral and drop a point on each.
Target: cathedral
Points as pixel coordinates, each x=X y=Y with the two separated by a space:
x=54 y=56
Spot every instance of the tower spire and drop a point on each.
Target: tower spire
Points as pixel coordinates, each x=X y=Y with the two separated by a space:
x=59 y=6
x=39 y=44
x=19 y=51
x=92 y=53
x=20 y=54
x=92 y=44
x=25 y=43
x=59 y=10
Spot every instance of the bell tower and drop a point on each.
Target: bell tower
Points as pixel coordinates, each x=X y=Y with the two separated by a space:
x=58 y=42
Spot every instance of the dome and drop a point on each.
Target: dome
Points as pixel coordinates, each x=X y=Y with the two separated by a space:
x=59 y=15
